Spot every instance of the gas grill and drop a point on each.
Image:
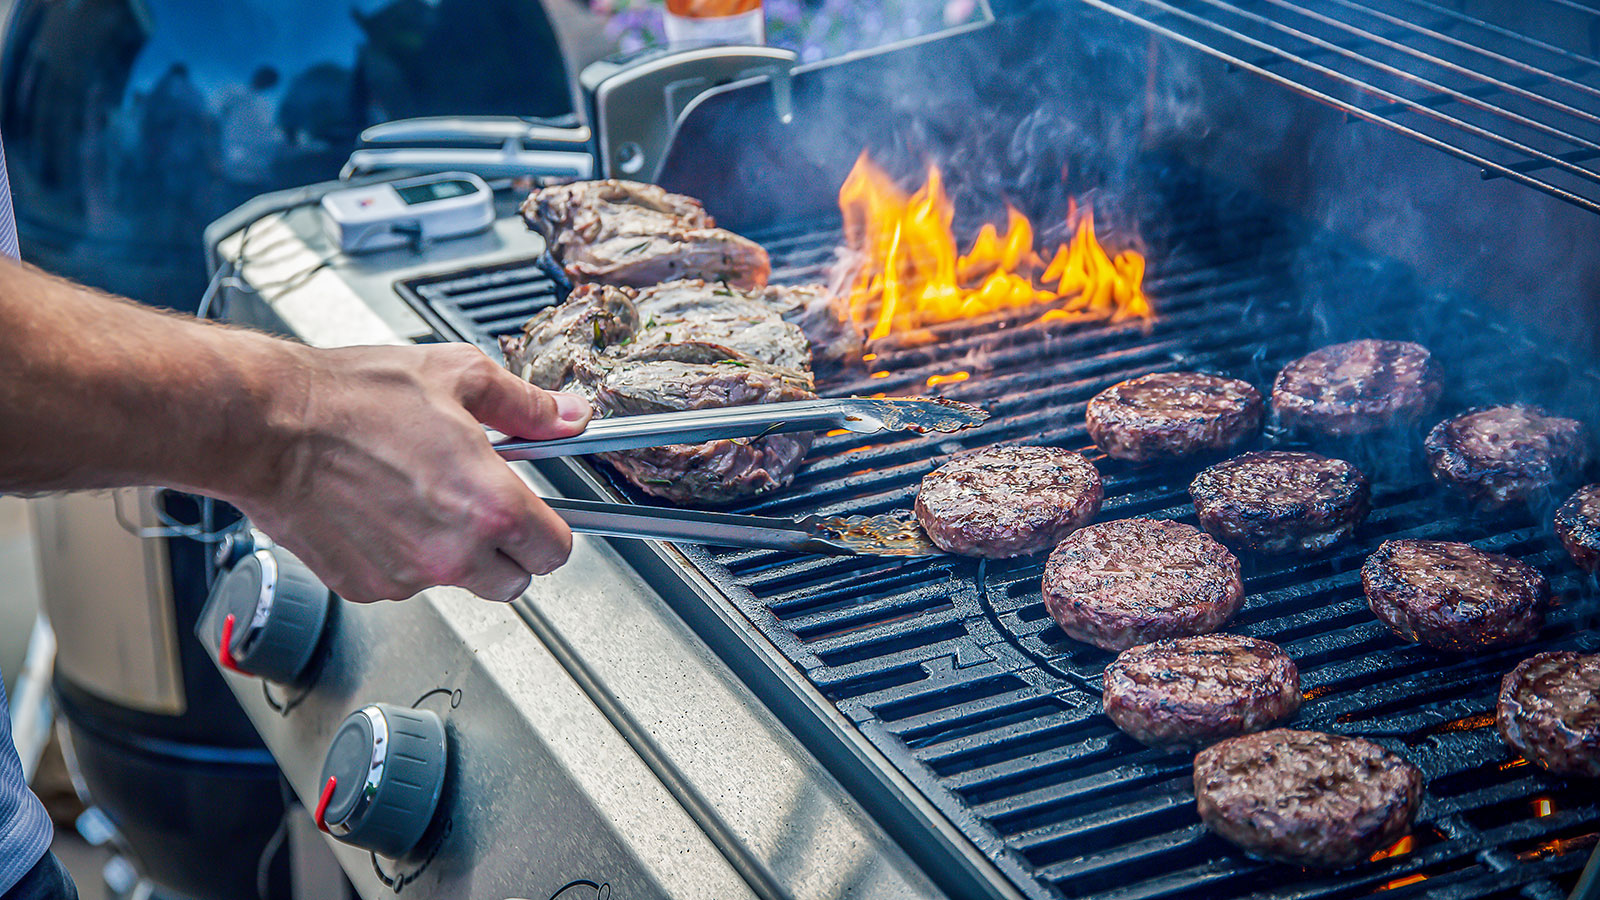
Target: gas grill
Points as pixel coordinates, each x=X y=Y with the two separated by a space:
x=938 y=696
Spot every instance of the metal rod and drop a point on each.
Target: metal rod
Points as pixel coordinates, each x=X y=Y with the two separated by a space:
x=658 y=523
x=1532 y=166
x=1402 y=74
x=1501 y=58
x=1502 y=31
x=1346 y=106
x=1442 y=63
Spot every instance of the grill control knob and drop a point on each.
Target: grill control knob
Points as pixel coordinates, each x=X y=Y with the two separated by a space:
x=381 y=779
x=268 y=611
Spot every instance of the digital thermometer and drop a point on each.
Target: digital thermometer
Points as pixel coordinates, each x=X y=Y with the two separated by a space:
x=397 y=213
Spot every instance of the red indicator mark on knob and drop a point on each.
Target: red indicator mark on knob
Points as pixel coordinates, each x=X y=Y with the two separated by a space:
x=322 y=802
x=225 y=652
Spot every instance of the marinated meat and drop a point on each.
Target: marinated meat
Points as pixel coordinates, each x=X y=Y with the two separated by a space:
x=823 y=315
x=563 y=338
x=724 y=351
x=1173 y=414
x=696 y=322
x=1549 y=712
x=1281 y=502
x=626 y=233
x=1454 y=597
x=1132 y=581
x=1357 y=388
x=717 y=471
x=1008 y=501
x=1306 y=798
x=1578 y=526
x=1194 y=690
x=1503 y=455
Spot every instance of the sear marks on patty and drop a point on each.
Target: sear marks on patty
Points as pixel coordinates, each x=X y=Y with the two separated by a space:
x=1173 y=414
x=1454 y=597
x=1355 y=388
x=1578 y=526
x=717 y=471
x=1306 y=798
x=561 y=339
x=1132 y=581
x=627 y=233
x=1549 y=711
x=1008 y=501
x=1498 y=456
x=1195 y=690
x=1279 y=501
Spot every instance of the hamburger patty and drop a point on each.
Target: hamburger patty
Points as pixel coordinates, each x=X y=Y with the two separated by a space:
x=1132 y=581
x=1172 y=414
x=1306 y=798
x=1358 y=387
x=1453 y=596
x=1279 y=501
x=1549 y=712
x=1578 y=526
x=1195 y=690
x=1008 y=501
x=1501 y=455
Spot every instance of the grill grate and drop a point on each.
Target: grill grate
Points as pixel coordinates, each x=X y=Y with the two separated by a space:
x=954 y=671
x=1510 y=88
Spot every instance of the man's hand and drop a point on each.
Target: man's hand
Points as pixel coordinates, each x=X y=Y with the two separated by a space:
x=386 y=483
x=370 y=463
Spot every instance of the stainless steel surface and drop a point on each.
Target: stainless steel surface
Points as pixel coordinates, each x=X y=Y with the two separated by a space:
x=269 y=590
x=480 y=129
x=693 y=426
x=885 y=535
x=593 y=735
x=636 y=108
x=509 y=161
x=108 y=596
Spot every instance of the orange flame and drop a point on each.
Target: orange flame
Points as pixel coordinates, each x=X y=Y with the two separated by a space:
x=1398 y=848
x=910 y=272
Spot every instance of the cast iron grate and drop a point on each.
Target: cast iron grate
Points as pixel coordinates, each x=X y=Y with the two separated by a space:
x=953 y=669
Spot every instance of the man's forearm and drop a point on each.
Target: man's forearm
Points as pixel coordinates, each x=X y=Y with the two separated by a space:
x=98 y=392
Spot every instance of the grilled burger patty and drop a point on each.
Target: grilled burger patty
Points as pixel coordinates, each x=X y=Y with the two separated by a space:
x=1172 y=414
x=1453 y=596
x=1008 y=501
x=1578 y=526
x=1279 y=501
x=1501 y=455
x=1195 y=690
x=1132 y=581
x=1549 y=712
x=1306 y=798
x=1356 y=388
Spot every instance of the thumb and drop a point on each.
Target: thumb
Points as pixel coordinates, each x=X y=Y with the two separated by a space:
x=508 y=404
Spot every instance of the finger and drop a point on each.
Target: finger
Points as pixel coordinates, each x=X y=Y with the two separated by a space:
x=505 y=402
x=497 y=577
x=543 y=542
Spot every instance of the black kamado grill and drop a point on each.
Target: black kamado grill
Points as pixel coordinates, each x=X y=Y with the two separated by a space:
x=1397 y=189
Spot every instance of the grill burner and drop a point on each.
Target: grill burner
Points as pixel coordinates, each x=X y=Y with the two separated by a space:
x=954 y=671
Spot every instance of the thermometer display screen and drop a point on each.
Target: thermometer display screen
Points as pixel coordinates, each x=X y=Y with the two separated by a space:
x=413 y=194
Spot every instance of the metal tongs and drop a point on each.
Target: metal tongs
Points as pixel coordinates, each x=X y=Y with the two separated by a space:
x=886 y=535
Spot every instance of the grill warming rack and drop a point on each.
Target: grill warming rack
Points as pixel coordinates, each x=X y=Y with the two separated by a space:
x=952 y=669
x=1477 y=85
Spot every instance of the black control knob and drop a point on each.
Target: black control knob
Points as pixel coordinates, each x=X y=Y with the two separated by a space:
x=381 y=779
x=268 y=612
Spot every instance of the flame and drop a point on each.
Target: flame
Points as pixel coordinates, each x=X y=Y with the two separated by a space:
x=952 y=378
x=909 y=272
x=1542 y=807
x=1402 y=882
x=1398 y=848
